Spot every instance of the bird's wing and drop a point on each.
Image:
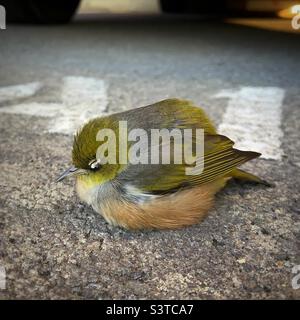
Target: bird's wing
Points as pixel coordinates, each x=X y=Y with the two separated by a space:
x=220 y=158
x=169 y=113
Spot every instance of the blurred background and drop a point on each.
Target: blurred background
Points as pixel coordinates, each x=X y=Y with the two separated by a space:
x=269 y=14
x=56 y=11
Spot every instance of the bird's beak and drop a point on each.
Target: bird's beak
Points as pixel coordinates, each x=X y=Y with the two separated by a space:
x=69 y=172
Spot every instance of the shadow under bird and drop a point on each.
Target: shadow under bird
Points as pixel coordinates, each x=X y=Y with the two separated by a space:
x=155 y=196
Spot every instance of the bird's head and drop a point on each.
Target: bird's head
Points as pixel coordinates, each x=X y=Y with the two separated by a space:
x=86 y=162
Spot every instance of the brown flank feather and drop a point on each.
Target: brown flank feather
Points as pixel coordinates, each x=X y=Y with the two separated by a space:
x=181 y=209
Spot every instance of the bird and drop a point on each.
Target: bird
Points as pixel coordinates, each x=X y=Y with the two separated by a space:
x=142 y=195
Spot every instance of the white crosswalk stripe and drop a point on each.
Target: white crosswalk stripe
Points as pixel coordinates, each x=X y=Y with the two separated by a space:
x=82 y=98
x=253 y=119
x=19 y=91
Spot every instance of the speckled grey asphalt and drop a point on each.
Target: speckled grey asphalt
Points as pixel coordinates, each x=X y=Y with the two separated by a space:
x=54 y=246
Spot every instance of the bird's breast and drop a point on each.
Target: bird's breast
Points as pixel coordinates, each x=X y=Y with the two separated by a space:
x=85 y=190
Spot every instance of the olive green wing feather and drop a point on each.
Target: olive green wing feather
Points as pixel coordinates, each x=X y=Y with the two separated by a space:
x=220 y=159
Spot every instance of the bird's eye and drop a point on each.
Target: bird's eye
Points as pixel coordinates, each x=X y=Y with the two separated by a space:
x=94 y=165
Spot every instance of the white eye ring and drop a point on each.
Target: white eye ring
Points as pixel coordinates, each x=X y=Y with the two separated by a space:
x=94 y=164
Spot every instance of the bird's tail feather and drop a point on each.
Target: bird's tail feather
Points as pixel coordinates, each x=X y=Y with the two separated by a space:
x=243 y=175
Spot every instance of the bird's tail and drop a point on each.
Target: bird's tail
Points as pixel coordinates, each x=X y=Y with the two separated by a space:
x=243 y=175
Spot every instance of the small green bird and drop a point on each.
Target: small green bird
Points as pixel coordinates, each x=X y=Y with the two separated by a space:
x=143 y=195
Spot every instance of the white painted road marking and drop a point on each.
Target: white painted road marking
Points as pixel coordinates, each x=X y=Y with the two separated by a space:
x=253 y=119
x=81 y=98
x=2 y=278
x=19 y=91
x=34 y=109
